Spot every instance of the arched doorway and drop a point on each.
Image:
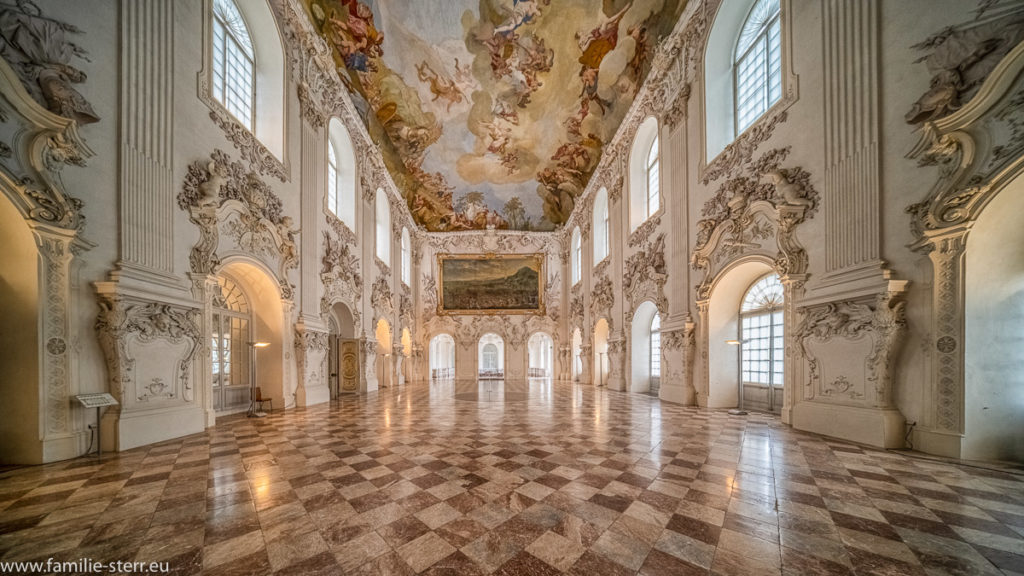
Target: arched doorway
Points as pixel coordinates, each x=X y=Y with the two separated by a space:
x=645 y=349
x=247 y=311
x=19 y=340
x=491 y=357
x=762 y=346
x=383 y=335
x=541 y=350
x=343 y=349
x=577 y=355
x=232 y=348
x=601 y=365
x=442 y=358
x=405 y=358
x=994 y=331
x=723 y=329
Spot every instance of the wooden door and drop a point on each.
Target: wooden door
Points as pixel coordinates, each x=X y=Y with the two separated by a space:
x=349 y=366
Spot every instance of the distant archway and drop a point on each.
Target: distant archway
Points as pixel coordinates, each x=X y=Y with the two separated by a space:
x=641 y=350
x=343 y=352
x=540 y=352
x=383 y=336
x=601 y=364
x=491 y=356
x=577 y=355
x=442 y=357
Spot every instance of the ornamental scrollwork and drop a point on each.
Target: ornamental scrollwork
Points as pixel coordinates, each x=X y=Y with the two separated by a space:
x=381 y=297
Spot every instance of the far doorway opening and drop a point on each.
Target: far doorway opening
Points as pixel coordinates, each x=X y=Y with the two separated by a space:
x=491 y=357
x=541 y=356
x=442 y=358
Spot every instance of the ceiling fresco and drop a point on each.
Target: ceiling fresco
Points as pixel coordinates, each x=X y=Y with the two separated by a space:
x=492 y=113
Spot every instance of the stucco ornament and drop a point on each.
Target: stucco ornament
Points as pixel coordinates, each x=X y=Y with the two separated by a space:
x=123 y=329
x=381 y=297
x=747 y=210
x=961 y=57
x=40 y=50
x=222 y=196
x=881 y=320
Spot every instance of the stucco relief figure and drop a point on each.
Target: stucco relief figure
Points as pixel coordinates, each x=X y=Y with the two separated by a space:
x=791 y=194
x=38 y=49
x=960 y=60
x=210 y=190
x=289 y=253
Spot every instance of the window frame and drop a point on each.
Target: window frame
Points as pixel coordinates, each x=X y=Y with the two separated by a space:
x=654 y=359
x=576 y=256
x=229 y=35
x=771 y=312
x=654 y=165
x=382 y=228
x=406 y=257
x=762 y=37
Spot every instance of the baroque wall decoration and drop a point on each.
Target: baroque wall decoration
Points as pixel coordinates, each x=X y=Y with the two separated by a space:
x=252 y=150
x=126 y=327
x=223 y=196
x=972 y=141
x=832 y=329
x=645 y=275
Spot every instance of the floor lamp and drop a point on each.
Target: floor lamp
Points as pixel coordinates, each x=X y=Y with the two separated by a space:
x=253 y=413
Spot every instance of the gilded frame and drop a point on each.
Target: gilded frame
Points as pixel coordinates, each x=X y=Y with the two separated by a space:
x=537 y=258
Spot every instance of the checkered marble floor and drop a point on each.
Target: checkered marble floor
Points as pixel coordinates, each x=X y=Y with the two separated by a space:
x=521 y=480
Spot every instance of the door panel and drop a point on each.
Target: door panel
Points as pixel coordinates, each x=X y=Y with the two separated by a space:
x=349 y=365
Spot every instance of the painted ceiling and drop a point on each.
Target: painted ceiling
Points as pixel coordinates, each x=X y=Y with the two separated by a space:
x=492 y=112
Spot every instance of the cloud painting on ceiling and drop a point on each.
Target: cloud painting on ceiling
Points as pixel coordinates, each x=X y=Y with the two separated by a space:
x=493 y=112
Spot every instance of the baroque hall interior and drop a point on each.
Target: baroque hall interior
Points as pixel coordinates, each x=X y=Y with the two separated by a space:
x=512 y=286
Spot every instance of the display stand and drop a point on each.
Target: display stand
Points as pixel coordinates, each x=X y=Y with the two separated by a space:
x=97 y=401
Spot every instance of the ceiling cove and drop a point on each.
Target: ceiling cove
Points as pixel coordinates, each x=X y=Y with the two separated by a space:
x=492 y=113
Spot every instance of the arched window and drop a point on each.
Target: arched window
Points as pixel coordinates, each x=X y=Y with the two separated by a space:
x=490 y=356
x=234 y=62
x=761 y=338
x=406 y=258
x=757 y=64
x=644 y=174
x=341 y=174
x=656 y=347
x=653 y=179
x=576 y=256
x=602 y=240
x=383 y=235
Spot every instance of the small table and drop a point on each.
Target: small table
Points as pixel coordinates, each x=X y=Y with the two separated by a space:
x=97 y=401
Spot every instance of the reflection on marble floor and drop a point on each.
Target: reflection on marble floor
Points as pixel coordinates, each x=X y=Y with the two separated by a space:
x=516 y=478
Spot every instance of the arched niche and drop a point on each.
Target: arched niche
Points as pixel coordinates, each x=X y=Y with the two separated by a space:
x=994 y=331
x=602 y=365
x=722 y=328
x=19 y=339
x=640 y=347
x=268 y=325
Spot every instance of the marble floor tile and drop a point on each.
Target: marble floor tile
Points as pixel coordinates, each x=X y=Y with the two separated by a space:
x=557 y=479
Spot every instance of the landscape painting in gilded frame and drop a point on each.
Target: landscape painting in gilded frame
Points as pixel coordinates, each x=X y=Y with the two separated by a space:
x=491 y=284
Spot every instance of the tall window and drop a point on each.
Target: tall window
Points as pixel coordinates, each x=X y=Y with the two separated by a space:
x=602 y=240
x=653 y=179
x=757 y=67
x=234 y=62
x=332 y=179
x=383 y=235
x=406 y=258
x=576 y=262
x=761 y=358
x=490 y=357
x=341 y=174
x=656 y=347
